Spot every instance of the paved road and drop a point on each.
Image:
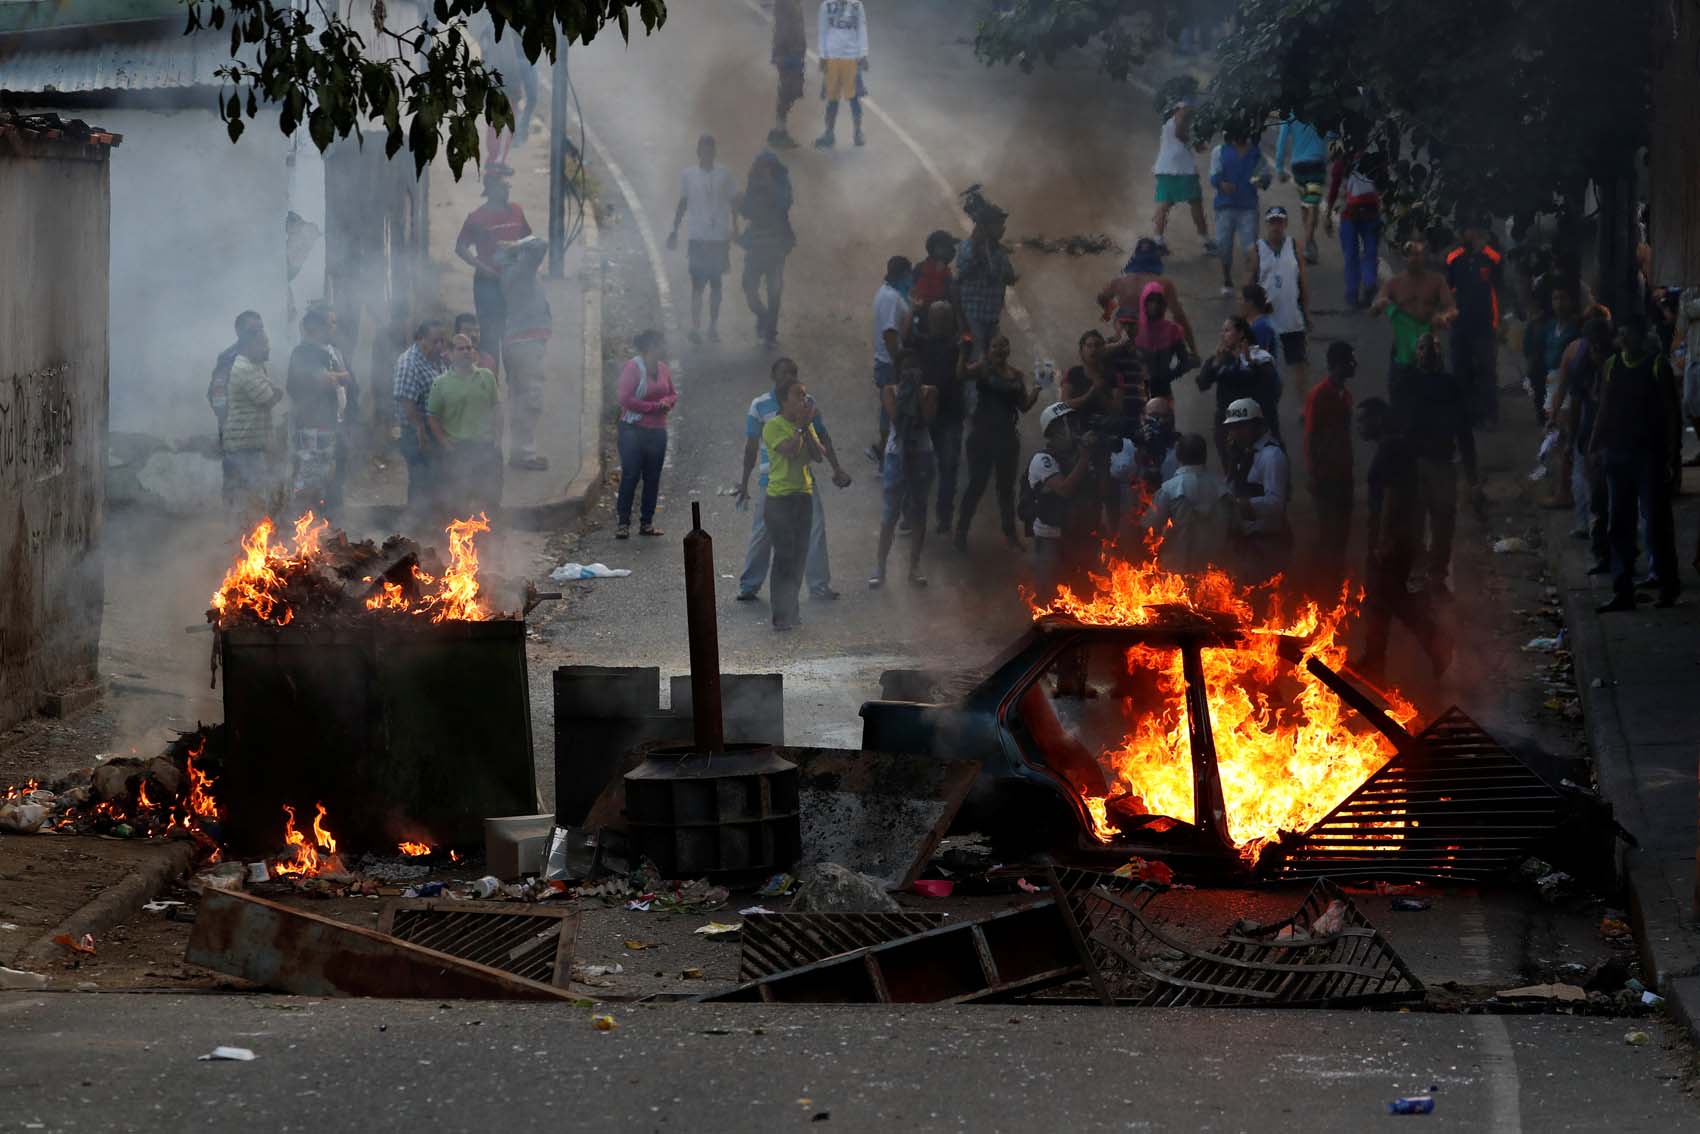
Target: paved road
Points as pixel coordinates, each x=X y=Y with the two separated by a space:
x=124 y=1062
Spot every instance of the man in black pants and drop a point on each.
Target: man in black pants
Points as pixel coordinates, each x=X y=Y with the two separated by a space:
x=993 y=443
x=1638 y=439
x=1475 y=272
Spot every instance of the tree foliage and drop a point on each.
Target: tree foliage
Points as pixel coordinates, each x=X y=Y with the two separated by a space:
x=1503 y=106
x=324 y=74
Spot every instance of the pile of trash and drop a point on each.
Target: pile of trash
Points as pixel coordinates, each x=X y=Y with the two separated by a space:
x=1080 y=244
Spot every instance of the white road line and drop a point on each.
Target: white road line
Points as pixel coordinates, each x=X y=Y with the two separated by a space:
x=657 y=265
x=1012 y=305
x=1498 y=1058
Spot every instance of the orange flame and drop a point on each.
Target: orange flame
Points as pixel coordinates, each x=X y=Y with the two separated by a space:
x=142 y=800
x=256 y=581
x=201 y=801
x=1287 y=748
x=413 y=850
x=303 y=858
x=457 y=597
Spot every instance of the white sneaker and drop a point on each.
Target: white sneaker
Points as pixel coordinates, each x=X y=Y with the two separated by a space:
x=1228 y=291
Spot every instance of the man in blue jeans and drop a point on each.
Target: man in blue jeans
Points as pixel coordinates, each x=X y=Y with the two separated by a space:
x=1237 y=170
x=818 y=571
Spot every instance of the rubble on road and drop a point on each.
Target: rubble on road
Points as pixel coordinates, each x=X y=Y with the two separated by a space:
x=1080 y=244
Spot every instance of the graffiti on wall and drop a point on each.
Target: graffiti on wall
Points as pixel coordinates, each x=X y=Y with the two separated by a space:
x=37 y=424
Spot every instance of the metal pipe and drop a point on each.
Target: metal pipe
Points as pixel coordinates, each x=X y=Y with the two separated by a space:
x=1359 y=700
x=704 y=635
x=1209 y=811
x=558 y=163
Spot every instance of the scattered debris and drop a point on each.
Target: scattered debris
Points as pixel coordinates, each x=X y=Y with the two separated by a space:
x=1637 y=1038
x=1614 y=929
x=719 y=931
x=637 y=946
x=161 y=906
x=1510 y=545
x=1546 y=645
x=1080 y=244
x=604 y=1023
x=569 y=572
x=1420 y=1104
x=223 y=1054
x=1410 y=905
x=1562 y=993
x=881 y=814
x=933 y=887
x=831 y=888
x=84 y=946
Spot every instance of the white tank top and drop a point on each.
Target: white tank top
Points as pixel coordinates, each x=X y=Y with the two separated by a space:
x=1278 y=275
x=1173 y=158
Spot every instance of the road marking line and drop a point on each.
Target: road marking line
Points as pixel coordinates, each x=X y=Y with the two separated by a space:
x=657 y=265
x=1012 y=304
x=1499 y=1059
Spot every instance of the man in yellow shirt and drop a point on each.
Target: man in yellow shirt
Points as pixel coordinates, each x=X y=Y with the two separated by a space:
x=789 y=509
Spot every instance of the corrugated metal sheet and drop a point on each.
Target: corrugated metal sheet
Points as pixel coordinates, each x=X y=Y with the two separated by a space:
x=169 y=61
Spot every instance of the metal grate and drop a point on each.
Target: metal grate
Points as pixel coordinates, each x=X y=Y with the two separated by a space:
x=533 y=942
x=1325 y=956
x=1453 y=804
x=775 y=943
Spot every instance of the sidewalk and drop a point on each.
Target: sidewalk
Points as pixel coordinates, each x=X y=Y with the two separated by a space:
x=1639 y=678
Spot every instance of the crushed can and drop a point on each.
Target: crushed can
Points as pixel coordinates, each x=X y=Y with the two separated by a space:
x=1418 y=1104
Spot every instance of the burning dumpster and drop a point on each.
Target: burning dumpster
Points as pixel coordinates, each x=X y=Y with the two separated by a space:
x=373 y=681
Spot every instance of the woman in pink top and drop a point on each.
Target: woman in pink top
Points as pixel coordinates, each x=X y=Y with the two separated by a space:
x=646 y=397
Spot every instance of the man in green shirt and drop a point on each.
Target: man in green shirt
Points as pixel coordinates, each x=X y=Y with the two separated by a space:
x=463 y=420
x=792 y=446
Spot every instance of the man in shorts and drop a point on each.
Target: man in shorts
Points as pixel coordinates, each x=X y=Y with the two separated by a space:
x=790 y=45
x=1177 y=178
x=706 y=192
x=1274 y=266
x=843 y=49
x=1299 y=143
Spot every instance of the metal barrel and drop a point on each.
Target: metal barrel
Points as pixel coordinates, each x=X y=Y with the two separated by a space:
x=704 y=635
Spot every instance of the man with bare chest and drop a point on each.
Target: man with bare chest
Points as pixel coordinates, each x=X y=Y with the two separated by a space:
x=1418 y=302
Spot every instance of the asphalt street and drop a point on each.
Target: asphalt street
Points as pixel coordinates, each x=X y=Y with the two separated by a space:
x=122 y=1062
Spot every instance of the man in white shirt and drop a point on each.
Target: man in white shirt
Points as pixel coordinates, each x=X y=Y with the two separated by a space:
x=1177 y=177
x=843 y=48
x=706 y=192
x=1261 y=485
x=892 y=315
x=1274 y=265
x=1191 y=511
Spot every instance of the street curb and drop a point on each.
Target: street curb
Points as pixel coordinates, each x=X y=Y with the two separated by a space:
x=1662 y=936
x=112 y=906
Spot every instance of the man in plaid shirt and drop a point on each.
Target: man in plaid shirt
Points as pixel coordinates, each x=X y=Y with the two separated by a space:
x=415 y=371
x=983 y=270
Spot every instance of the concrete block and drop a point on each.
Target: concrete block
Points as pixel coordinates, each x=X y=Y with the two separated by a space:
x=514 y=844
x=63 y=703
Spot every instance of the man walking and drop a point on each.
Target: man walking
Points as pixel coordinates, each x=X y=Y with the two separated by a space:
x=1176 y=171
x=790 y=46
x=1417 y=301
x=1638 y=439
x=1328 y=461
x=706 y=193
x=1474 y=271
x=496 y=222
x=526 y=347
x=322 y=395
x=415 y=371
x=792 y=446
x=842 y=35
x=1440 y=434
x=1392 y=534
x=983 y=270
x=767 y=240
x=818 y=569
x=892 y=315
x=1300 y=143
x=1360 y=224
x=1274 y=265
x=907 y=473
x=1237 y=171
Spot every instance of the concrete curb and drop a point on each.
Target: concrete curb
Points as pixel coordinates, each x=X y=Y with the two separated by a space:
x=110 y=907
x=1665 y=943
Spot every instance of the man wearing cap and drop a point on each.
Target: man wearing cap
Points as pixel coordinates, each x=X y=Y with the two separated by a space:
x=1065 y=506
x=1274 y=265
x=1121 y=297
x=496 y=222
x=1261 y=482
x=706 y=196
x=1475 y=273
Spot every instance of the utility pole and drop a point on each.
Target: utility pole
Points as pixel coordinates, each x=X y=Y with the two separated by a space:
x=558 y=164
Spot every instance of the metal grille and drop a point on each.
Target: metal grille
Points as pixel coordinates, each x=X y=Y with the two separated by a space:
x=1325 y=956
x=1452 y=805
x=535 y=942
x=775 y=943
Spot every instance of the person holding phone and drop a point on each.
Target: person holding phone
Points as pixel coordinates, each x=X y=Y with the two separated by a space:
x=647 y=396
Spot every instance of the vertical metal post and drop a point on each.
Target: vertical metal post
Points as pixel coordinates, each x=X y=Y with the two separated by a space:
x=704 y=635
x=558 y=164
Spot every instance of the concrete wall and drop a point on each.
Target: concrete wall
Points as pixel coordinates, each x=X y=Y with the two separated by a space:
x=54 y=210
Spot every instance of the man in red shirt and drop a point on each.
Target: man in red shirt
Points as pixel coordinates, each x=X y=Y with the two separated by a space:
x=1328 y=459
x=496 y=222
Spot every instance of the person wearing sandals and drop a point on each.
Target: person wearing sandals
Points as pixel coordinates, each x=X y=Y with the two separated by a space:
x=647 y=396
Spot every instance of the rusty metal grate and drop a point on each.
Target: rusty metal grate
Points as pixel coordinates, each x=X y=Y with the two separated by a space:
x=1325 y=956
x=534 y=942
x=1453 y=804
x=775 y=943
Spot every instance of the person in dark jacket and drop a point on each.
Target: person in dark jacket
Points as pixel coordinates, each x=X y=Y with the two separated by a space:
x=767 y=240
x=1475 y=271
x=1638 y=440
x=1240 y=369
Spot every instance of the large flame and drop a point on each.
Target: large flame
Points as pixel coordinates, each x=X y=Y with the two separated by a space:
x=303 y=857
x=1286 y=747
x=200 y=799
x=256 y=583
x=457 y=595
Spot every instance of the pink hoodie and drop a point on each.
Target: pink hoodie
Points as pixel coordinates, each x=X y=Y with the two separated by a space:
x=1163 y=335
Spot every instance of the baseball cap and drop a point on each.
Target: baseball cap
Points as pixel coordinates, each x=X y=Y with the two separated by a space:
x=1240 y=409
x=1276 y=212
